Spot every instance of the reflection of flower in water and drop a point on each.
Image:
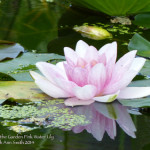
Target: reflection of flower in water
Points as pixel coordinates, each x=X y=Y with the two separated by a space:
x=91 y=75
x=103 y=118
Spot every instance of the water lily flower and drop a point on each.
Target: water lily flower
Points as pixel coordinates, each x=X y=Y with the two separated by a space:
x=91 y=75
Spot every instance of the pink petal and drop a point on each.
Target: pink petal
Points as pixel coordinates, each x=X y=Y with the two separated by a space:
x=86 y=92
x=123 y=65
x=109 y=69
x=47 y=87
x=109 y=50
x=137 y=64
x=81 y=62
x=74 y=102
x=91 y=54
x=69 y=71
x=81 y=48
x=106 y=98
x=134 y=92
x=70 y=55
x=102 y=59
x=60 y=65
x=128 y=76
x=50 y=71
x=79 y=76
x=66 y=85
x=97 y=77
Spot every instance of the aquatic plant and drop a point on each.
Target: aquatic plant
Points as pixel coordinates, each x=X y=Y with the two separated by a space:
x=115 y=7
x=89 y=75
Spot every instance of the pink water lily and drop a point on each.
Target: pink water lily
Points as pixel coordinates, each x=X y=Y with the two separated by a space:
x=91 y=75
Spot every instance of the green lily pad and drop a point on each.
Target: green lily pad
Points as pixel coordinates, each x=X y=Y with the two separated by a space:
x=115 y=7
x=5 y=77
x=9 y=50
x=142 y=102
x=146 y=69
x=142 y=20
x=139 y=43
x=25 y=90
x=19 y=68
x=140 y=83
x=139 y=102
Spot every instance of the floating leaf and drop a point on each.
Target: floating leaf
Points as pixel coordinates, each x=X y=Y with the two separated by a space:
x=5 y=77
x=139 y=43
x=115 y=7
x=21 y=90
x=142 y=20
x=146 y=69
x=9 y=50
x=140 y=102
x=19 y=68
x=93 y=32
x=140 y=83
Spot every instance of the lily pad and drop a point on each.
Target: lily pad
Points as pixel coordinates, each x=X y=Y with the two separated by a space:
x=142 y=20
x=139 y=43
x=19 y=68
x=141 y=102
x=5 y=77
x=115 y=7
x=9 y=50
x=146 y=69
x=21 y=90
x=140 y=83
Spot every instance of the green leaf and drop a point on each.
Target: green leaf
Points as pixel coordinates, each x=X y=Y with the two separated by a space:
x=115 y=7
x=142 y=102
x=5 y=77
x=139 y=102
x=139 y=43
x=19 y=68
x=146 y=68
x=140 y=83
x=142 y=20
x=9 y=50
x=25 y=90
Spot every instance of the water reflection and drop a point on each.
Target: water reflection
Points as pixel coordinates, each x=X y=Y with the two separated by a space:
x=103 y=118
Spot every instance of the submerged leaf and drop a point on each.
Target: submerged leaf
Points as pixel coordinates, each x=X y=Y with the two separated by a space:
x=93 y=32
x=9 y=50
x=139 y=43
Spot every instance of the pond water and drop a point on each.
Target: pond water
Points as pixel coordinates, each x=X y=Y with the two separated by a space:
x=47 y=27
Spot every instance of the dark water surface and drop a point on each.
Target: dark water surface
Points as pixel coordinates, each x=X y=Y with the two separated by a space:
x=47 y=27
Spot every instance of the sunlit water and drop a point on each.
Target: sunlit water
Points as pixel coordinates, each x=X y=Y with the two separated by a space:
x=47 y=27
